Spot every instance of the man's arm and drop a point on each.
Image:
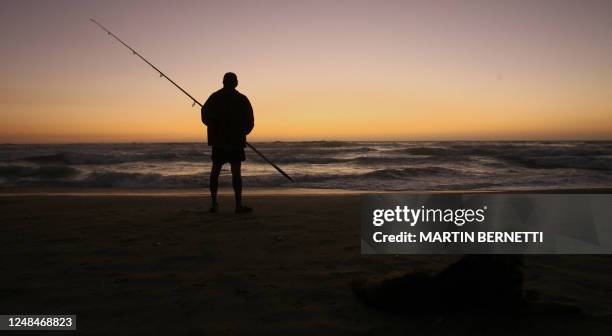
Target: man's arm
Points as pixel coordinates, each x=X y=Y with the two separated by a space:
x=250 y=119
x=206 y=111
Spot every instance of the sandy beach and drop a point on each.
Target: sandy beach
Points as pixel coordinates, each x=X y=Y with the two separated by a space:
x=160 y=264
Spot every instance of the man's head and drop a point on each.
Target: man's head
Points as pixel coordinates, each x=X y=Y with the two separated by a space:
x=230 y=80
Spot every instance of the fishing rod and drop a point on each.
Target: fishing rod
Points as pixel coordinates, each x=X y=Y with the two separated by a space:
x=195 y=101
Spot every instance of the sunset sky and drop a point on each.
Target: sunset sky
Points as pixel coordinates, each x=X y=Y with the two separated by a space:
x=313 y=70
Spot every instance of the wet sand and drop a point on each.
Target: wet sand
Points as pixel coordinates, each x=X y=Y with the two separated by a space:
x=159 y=264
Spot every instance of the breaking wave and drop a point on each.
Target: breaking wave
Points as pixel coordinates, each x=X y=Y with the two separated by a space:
x=40 y=172
x=319 y=164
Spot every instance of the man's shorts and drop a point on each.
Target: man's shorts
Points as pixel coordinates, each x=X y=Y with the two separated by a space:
x=225 y=155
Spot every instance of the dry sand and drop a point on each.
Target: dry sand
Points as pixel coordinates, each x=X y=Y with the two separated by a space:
x=162 y=265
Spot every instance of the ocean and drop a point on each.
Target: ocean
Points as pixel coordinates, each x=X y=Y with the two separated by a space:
x=354 y=165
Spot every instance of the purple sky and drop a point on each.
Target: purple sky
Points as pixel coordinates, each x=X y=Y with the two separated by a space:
x=379 y=69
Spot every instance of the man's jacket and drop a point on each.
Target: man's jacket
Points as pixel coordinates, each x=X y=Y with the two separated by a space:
x=229 y=117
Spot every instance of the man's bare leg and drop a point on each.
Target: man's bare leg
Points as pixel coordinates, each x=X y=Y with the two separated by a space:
x=237 y=184
x=214 y=184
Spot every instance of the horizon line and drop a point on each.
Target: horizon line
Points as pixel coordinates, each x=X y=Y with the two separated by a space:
x=290 y=141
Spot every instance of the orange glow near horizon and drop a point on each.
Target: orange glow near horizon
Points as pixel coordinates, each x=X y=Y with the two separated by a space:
x=313 y=71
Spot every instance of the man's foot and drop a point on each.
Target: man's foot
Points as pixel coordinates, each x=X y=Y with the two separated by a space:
x=243 y=209
x=213 y=209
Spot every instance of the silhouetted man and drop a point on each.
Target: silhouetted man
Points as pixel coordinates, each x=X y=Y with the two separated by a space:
x=229 y=117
